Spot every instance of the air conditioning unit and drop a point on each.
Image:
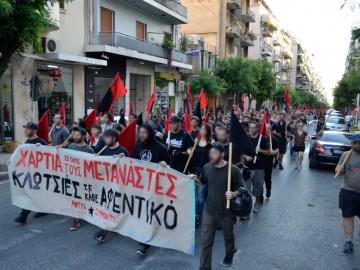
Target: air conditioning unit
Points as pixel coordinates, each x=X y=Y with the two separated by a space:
x=51 y=45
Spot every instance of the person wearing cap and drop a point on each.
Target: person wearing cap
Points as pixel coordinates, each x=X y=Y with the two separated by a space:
x=79 y=144
x=349 y=197
x=215 y=175
x=30 y=130
x=178 y=145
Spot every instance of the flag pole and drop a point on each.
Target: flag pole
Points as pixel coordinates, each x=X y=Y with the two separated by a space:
x=270 y=140
x=52 y=128
x=68 y=138
x=229 y=174
x=343 y=164
x=192 y=152
x=258 y=145
x=169 y=132
x=102 y=150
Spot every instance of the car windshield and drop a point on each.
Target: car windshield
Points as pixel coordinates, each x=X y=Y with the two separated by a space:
x=338 y=137
x=335 y=120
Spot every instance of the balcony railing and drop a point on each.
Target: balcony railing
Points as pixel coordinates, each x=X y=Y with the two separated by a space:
x=266 y=49
x=247 y=41
x=233 y=30
x=247 y=15
x=116 y=39
x=287 y=53
x=200 y=44
x=277 y=57
x=266 y=32
x=174 y=6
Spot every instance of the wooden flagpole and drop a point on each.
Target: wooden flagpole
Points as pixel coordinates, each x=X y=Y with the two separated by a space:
x=192 y=151
x=229 y=173
x=258 y=145
x=52 y=128
x=102 y=150
x=343 y=164
x=168 y=146
x=68 y=138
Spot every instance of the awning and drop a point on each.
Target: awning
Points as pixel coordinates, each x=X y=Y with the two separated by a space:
x=32 y=56
x=70 y=58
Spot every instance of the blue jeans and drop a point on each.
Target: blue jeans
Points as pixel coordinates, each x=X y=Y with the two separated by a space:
x=200 y=200
x=292 y=153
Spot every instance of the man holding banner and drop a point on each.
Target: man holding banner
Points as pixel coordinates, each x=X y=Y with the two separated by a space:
x=32 y=138
x=215 y=176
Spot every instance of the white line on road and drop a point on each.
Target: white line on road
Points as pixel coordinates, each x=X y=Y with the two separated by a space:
x=4 y=182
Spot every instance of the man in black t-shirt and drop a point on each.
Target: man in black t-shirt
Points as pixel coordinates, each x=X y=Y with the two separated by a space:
x=113 y=148
x=257 y=181
x=178 y=145
x=195 y=127
x=150 y=150
x=32 y=138
x=280 y=131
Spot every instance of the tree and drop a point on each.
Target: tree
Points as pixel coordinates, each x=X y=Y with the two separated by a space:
x=211 y=83
x=346 y=90
x=21 y=23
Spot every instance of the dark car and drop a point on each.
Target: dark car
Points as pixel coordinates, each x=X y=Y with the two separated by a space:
x=328 y=148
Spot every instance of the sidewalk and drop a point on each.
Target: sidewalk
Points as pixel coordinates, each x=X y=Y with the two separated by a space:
x=4 y=157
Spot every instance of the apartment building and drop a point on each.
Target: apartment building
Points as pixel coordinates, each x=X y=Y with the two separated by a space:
x=60 y=68
x=222 y=23
x=137 y=39
x=303 y=76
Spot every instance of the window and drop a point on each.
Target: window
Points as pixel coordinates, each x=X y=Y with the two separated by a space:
x=140 y=30
x=344 y=138
x=106 y=20
x=335 y=120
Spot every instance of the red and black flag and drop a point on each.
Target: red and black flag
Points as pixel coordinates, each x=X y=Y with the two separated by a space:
x=151 y=101
x=115 y=91
x=197 y=112
x=273 y=104
x=263 y=130
x=43 y=127
x=242 y=103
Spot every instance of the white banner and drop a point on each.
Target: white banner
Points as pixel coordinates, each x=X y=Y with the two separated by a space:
x=142 y=200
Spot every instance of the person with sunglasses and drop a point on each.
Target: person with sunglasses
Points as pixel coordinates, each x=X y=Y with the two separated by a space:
x=349 y=197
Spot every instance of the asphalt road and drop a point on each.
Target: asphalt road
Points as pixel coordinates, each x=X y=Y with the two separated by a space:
x=299 y=228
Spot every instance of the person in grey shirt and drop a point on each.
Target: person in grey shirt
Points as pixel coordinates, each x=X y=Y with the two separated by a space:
x=79 y=144
x=59 y=133
x=108 y=122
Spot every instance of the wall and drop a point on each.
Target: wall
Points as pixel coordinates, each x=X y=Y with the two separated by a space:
x=126 y=17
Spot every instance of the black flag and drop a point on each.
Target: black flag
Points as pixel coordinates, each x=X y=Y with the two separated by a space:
x=197 y=112
x=106 y=102
x=239 y=138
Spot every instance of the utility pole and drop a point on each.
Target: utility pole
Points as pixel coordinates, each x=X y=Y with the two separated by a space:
x=222 y=28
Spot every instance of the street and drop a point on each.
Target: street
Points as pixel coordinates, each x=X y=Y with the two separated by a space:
x=300 y=227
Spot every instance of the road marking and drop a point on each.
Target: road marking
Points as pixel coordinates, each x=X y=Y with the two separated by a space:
x=4 y=182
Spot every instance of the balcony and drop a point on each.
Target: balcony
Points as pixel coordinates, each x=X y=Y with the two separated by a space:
x=277 y=57
x=277 y=41
x=266 y=32
x=287 y=53
x=233 y=4
x=266 y=49
x=247 y=41
x=285 y=67
x=247 y=15
x=170 y=11
x=233 y=30
x=121 y=44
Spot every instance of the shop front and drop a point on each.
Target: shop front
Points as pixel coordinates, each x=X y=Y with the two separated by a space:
x=6 y=105
x=166 y=96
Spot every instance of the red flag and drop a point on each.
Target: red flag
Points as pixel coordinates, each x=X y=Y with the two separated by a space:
x=117 y=87
x=269 y=122
x=190 y=98
x=187 y=122
x=263 y=105
x=111 y=109
x=263 y=125
x=167 y=123
x=99 y=118
x=203 y=100
x=127 y=138
x=273 y=104
x=206 y=120
x=243 y=100
x=130 y=109
x=90 y=120
x=62 y=111
x=151 y=102
x=43 y=127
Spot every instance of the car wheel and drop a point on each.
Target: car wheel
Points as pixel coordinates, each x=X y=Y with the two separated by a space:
x=313 y=164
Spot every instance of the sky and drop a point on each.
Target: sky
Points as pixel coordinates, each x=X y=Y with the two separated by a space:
x=324 y=29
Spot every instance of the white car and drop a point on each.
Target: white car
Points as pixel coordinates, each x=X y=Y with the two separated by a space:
x=336 y=123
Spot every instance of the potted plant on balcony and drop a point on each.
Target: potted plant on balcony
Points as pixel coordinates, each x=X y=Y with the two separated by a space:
x=168 y=45
x=272 y=28
x=184 y=43
x=252 y=36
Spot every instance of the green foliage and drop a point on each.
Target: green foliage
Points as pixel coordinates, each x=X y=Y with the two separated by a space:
x=184 y=43
x=209 y=82
x=355 y=34
x=347 y=89
x=168 y=43
x=266 y=83
x=21 y=23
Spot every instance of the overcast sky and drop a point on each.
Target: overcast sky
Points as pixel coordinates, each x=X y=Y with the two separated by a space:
x=324 y=30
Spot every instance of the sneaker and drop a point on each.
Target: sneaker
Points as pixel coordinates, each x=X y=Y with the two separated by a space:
x=38 y=214
x=76 y=225
x=256 y=208
x=296 y=167
x=143 y=250
x=348 y=247
x=197 y=222
x=280 y=167
x=245 y=217
x=228 y=260
x=268 y=194
x=218 y=227
x=101 y=235
x=20 y=219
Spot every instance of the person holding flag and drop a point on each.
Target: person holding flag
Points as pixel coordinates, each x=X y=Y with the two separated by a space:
x=195 y=127
x=280 y=131
x=59 y=134
x=96 y=140
x=257 y=163
x=30 y=130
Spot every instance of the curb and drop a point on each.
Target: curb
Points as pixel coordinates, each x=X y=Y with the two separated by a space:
x=4 y=176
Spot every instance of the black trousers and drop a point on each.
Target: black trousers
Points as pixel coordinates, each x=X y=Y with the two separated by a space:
x=268 y=172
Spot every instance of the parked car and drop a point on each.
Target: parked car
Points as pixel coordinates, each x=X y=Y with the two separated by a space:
x=336 y=123
x=327 y=147
x=336 y=114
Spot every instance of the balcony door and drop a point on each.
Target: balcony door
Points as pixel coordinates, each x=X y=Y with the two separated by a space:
x=106 y=20
x=140 y=30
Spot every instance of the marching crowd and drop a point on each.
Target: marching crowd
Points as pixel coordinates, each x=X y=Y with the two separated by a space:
x=207 y=149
